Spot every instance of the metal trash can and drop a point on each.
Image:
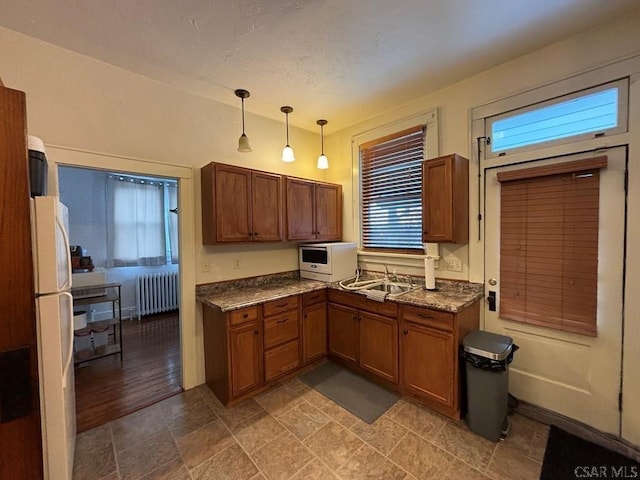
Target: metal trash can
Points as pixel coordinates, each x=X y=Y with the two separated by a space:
x=487 y=357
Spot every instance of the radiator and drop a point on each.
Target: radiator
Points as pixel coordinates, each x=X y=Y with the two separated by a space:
x=156 y=293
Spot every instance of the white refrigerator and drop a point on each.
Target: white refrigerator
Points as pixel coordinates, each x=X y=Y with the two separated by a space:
x=54 y=309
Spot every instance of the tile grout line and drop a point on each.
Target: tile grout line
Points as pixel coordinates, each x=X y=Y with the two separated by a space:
x=251 y=459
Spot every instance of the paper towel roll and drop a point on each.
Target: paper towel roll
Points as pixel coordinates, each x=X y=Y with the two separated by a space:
x=430 y=273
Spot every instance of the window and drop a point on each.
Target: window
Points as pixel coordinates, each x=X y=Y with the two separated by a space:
x=391 y=190
x=140 y=231
x=549 y=245
x=593 y=112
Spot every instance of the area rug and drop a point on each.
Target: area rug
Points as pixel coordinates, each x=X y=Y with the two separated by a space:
x=363 y=398
x=569 y=457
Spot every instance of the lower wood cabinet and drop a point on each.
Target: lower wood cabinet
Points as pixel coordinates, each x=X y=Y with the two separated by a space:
x=344 y=339
x=379 y=345
x=246 y=357
x=430 y=364
x=233 y=351
x=281 y=322
x=314 y=326
x=363 y=338
x=407 y=348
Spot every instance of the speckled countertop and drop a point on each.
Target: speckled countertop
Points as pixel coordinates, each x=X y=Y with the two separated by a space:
x=450 y=296
x=235 y=294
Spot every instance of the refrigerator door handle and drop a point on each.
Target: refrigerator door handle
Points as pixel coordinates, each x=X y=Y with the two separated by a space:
x=65 y=236
x=67 y=363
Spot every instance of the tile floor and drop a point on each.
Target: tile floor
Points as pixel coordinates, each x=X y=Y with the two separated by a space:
x=293 y=432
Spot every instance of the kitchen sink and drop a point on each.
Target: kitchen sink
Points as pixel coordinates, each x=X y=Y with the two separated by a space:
x=392 y=288
x=387 y=286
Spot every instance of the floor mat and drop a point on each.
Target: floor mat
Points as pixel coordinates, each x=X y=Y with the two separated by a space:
x=363 y=398
x=568 y=456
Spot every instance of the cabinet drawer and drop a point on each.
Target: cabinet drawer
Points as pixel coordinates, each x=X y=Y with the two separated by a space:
x=427 y=317
x=243 y=315
x=280 y=329
x=359 y=301
x=278 y=306
x=280 y=360
x=314 y=297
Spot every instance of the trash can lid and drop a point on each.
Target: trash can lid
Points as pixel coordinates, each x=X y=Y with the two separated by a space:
x=487 y=344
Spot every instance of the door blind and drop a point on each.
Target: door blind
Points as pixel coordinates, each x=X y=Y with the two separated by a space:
x=549 y=245
x=392 y=191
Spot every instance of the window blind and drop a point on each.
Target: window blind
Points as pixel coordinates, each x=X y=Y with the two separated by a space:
x=549 y=245
x=391 y=191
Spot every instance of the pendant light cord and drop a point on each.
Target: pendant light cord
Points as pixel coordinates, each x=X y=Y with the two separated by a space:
x=287 y=119
x=243 y=116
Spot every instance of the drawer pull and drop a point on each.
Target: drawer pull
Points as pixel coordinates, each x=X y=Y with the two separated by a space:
x=283 y=320
x=281 y=305
x=246 y=315
x=424 y=315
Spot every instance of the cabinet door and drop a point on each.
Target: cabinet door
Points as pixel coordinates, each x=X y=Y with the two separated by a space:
x=328 y=211
x=428 y=362
x=232 y=204
x=343 y=332
x=314 y=332
x=379 y=345
x=266 y=207
x=246 y=357
x=445 y=199
x=300 y=209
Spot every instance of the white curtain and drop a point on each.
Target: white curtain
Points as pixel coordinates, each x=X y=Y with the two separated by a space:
x=136 y=216
x=172 y=189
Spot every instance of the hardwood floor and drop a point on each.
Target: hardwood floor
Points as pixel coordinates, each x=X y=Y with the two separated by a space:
x=107 y=389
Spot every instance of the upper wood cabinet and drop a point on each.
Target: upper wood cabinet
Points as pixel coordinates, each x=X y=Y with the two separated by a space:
x=445 y=199
x=314 y=210
x=240 y=205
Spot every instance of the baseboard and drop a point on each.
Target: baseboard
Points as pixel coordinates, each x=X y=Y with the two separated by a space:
x=579 y=429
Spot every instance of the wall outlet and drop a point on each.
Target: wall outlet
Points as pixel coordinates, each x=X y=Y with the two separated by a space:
x=452 y=264
x=206 y=267
x=236 y=264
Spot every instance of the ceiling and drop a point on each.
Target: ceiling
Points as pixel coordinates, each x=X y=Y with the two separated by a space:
x=343 y=60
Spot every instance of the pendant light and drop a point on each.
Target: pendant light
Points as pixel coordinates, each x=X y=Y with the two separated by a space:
x=243 y=141
x=323 y=162
x=287 y=151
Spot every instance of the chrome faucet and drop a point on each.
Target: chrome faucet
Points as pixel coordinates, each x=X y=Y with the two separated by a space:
x=386 y=272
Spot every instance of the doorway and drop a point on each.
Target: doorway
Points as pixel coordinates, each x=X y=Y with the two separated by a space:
x=150 y=371
x=576 y=375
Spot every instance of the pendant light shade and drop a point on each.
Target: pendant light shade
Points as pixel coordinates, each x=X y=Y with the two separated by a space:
x=287 y=151
x=243 y=141
x=323 y=162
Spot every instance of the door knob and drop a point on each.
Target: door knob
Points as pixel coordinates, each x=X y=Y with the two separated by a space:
x=493 y=282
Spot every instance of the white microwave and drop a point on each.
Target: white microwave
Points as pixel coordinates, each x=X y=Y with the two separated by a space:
x=328 y=262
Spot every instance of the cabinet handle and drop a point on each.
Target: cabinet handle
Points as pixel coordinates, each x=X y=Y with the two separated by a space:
x=280 y=305
x=423 y=315
x=255 y=234
x=282 y=321
x=306 y=316
x=256 y=332
x=354 y=318
x=405 y=332
x=246 y=315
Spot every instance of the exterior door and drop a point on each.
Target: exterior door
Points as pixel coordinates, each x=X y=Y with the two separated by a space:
x=575 y=375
